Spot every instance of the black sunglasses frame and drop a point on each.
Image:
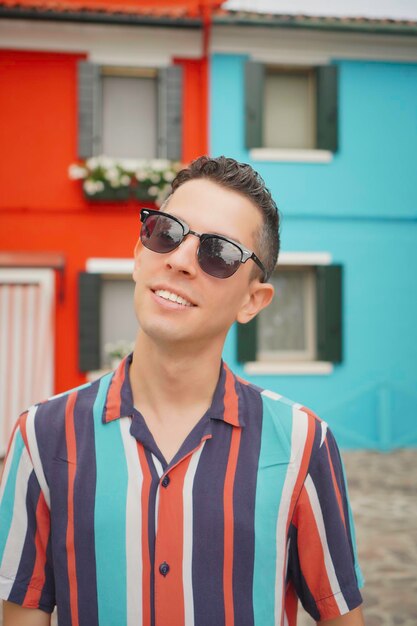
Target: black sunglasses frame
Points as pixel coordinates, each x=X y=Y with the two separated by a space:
x=246 y=254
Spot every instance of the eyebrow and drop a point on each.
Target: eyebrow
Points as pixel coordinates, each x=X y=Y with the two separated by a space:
x=208 y=233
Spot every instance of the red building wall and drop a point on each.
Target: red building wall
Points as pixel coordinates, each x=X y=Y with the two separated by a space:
x=41 y=209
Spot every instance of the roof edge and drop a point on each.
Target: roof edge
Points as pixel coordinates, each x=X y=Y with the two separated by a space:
x=359 y=25
x=223 y=18
x=99 y=17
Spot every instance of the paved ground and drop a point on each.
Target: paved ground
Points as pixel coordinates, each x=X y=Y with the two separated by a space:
x=383 y=492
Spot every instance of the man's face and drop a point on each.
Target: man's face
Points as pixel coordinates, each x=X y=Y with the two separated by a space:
x=216 y=303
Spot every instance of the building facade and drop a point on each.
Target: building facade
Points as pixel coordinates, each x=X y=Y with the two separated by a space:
x=325 y=113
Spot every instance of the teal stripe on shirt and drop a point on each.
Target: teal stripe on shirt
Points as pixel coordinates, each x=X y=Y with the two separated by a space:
x=7 y=502
x=273 y=464
x=110 y=515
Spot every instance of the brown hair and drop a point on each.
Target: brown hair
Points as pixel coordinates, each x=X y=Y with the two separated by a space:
x=242 y=178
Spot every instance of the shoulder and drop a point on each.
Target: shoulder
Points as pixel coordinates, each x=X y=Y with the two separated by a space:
x=44 y=425
x=287 y=422
x=55 y=407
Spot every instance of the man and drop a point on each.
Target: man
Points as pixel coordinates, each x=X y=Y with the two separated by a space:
x=171 y=492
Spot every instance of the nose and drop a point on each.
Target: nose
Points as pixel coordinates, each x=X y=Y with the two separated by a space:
x=184 y=258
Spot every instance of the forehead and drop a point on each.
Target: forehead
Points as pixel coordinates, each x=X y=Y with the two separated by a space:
x=208 y=207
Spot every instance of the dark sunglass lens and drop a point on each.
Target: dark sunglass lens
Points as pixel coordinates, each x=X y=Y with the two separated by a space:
x=218 y=257
x=161 y=233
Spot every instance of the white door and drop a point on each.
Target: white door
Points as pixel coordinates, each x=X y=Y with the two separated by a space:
x=26 y=342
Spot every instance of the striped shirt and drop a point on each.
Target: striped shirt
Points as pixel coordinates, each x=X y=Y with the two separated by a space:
x=250 y=513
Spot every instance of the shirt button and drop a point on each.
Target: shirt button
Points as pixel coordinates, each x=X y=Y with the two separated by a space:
x=164 y=568
x=165 y=481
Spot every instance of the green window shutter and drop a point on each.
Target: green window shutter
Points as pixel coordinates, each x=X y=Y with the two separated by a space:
x=254 y=103
x=329 y=313
x=89 y=109
x=89 y=291
x=247 y=341
x=327 y=107
x=170 y=90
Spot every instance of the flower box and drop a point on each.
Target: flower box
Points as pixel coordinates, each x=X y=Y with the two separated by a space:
x=109 y=194
x=117 y=180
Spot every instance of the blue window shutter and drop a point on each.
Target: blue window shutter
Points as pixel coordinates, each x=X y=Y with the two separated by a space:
x=89 y=294
x=329 y=313
x=254 y=103
x=247 y=340
x=327 y=107
x=89 y=109
x=170 y=94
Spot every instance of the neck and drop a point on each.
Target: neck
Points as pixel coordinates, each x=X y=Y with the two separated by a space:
x=181 y=378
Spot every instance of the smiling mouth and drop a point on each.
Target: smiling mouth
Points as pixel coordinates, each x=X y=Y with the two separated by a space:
x=171 y=296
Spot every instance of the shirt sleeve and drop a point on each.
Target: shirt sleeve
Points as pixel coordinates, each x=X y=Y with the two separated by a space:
x=26 y=575
x=322 y=556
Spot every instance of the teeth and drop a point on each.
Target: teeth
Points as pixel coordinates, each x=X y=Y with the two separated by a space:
x=169 y=295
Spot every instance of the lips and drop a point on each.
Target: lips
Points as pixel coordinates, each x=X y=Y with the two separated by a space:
x=171 y=294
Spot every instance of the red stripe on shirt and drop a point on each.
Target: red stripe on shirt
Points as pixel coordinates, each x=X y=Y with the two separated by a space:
x=231 y=411
x=22 y=425
x=311 y=554
x=231 y=402
x=72 y=466
x=229 y=526
x=146 y=561
x=169 y=548
x=291 y=605
x=114 y=400
x=37 y=580
x=302 y=472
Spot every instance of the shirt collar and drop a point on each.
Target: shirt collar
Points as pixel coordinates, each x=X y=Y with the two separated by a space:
x=227 y=403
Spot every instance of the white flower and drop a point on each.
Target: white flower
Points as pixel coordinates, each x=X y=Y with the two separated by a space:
x=99 y=185
x=155 y=178
x=115 y=183
x=105 y=162
x=169 y=176
x=125 y=180
x=159 y=165
x=76 y=172
x=111 y=174
x=141 y=175
x=92 y=163
x=153 y=191
x=129 y=164
x=90 y=187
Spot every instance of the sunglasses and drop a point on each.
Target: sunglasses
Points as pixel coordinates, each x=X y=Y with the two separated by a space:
x=217 y=255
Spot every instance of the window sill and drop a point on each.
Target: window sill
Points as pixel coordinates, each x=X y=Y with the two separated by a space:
x=291 y=156
x=302 y=368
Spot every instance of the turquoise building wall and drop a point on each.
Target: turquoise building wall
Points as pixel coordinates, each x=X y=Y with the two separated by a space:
x=362 y=208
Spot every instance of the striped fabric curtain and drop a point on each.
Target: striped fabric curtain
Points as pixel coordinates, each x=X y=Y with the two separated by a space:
x=26 y=343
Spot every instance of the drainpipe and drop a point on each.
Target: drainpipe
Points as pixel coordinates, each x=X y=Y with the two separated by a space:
x=206 y=14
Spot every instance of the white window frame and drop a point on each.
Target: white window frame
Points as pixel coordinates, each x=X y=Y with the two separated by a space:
x=292 y=367
x=294 y=155
x=108 y=268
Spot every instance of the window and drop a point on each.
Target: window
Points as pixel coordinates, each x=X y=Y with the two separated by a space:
x=117 y=314
x=304 y=321
x=129 y=112
x=291 y=107
x=106 y=310
x=286 y=329
x=129 y=125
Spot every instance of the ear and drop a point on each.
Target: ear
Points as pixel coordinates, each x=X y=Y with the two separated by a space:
x=259 y=296
x=136 y=256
